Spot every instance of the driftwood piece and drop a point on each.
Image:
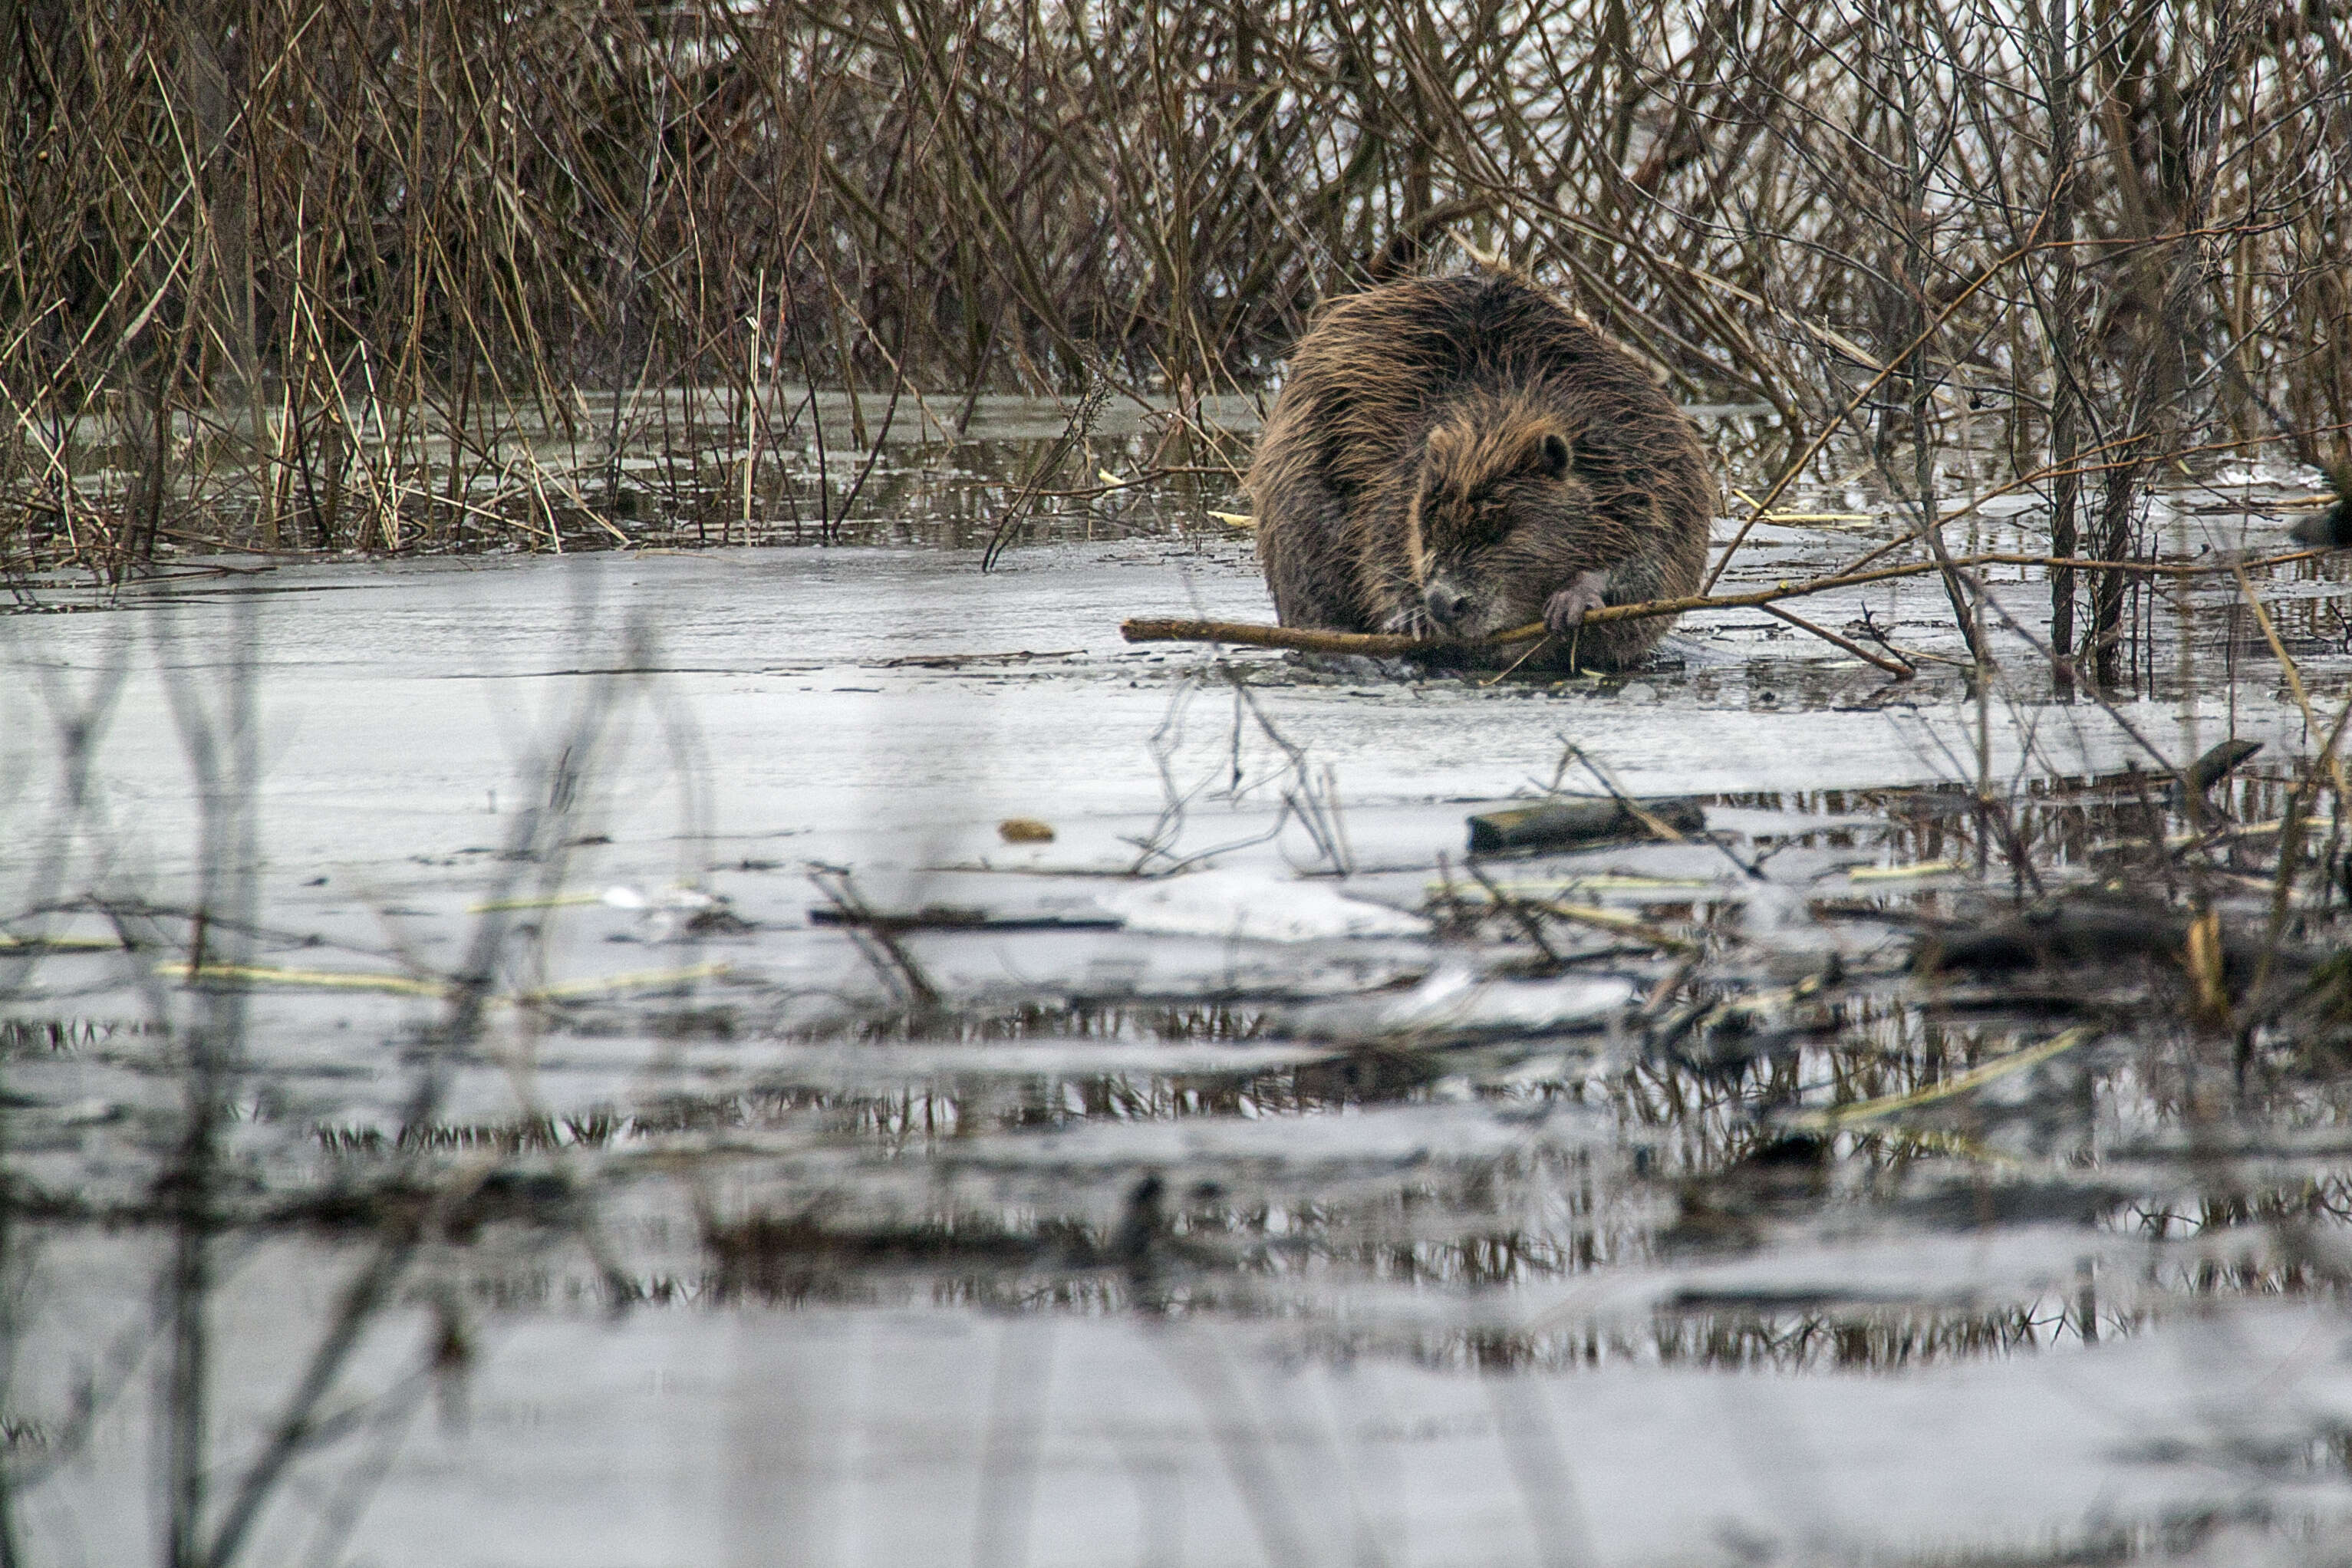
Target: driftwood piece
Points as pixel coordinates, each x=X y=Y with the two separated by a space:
x=1381 y=644
x=951 y=917
x=2220 y=763
x=2085 y=931
x=1559 y=824
x=2332 y=528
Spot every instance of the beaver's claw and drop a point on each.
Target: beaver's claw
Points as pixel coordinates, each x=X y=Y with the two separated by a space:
x=1566 y=610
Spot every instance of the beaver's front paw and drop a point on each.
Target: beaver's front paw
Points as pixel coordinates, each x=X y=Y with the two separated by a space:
x=1412 y=621
x=1566 y=610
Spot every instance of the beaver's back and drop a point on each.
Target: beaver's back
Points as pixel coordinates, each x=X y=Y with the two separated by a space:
x=1373 y=365
x=1333 y=469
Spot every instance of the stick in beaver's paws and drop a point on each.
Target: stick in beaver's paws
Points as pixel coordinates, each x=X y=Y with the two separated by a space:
x=1565 y=611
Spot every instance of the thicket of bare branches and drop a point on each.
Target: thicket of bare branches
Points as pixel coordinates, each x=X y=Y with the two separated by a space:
x=316 y=263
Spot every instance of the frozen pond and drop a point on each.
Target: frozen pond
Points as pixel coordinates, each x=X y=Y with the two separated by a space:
x=821 y=1056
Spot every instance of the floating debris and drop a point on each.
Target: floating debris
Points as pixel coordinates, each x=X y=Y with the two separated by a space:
x=1567 y=822
x=956 y=917
x=1904 y=873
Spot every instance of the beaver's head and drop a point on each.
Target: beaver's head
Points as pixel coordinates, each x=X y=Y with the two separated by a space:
x=1501 y=518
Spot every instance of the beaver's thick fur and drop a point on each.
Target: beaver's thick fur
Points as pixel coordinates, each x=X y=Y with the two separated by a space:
x=1459 y=456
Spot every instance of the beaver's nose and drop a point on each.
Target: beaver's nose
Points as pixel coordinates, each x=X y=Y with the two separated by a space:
x=1447 y=604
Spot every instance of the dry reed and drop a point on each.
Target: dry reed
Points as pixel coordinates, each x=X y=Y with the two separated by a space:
x=290 y=277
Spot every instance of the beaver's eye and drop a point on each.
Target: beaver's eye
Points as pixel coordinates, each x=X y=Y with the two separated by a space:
x=1489 y=523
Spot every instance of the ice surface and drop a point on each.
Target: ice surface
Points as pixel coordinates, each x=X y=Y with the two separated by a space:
x=1414 y=1288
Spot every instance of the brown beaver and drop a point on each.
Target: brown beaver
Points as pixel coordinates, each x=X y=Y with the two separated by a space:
x=1460 y=456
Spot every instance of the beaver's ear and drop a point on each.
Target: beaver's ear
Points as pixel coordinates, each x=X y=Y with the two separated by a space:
x=1551 y=456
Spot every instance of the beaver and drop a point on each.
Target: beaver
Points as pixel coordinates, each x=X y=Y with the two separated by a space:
x=1459 y=456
